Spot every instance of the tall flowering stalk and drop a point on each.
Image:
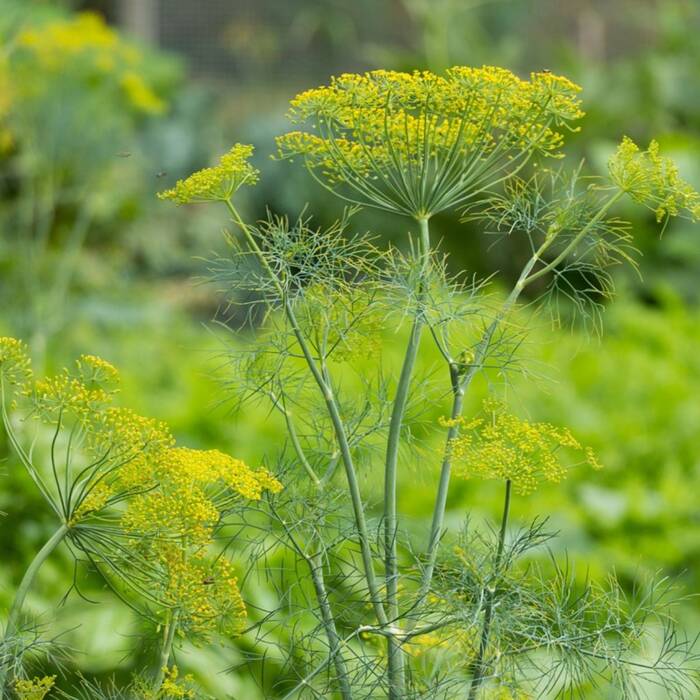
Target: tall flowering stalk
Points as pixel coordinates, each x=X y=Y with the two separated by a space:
x=416 y=144
x=141 y=510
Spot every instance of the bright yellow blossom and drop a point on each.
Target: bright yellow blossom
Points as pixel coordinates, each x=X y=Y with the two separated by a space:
x=217 y=183
x=84 y=45
x=502 y=446
x=15 y=366
x=417 y=143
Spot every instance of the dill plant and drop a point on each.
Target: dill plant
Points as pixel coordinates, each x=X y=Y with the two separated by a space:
x=74 y=95
x=127 y=502
x=373 y=611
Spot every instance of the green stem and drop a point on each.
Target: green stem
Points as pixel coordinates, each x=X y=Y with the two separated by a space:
x=460 y=385
x=336 y=420
x=165 y=650
x=479 y=667
x=280 y=404
x=395 y=656
x=30 y=574
x=316 y=567
x=574 y=242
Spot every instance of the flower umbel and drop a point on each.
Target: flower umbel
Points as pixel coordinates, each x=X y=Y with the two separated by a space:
x=217 y=183
x=653 y=180
x=417 y=143
x=502 y=446
x=15 y=367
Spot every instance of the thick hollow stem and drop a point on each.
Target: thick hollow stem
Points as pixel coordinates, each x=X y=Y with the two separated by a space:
x=480 y=667
x=165 y=650
x=336 y=420
x=13 y=619
x=395 y=659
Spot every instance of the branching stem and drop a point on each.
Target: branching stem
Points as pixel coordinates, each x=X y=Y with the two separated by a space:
x=336 y=420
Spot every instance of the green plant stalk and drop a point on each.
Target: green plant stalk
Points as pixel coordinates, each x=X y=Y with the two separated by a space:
x=479 y=667
x=316 y=568
x=461 y=384
x=165 y=650
x=25 y=585
x=336 y=420
x=394 y=653
x=335 y=644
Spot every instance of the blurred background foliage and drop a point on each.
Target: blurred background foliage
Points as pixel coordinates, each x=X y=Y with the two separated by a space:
x=100 y=111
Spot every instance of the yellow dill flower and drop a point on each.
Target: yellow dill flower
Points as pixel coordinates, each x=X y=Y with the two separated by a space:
x=15 y=365
x=175 y=687
x=417 y=143
x=217 y=183
x=653 y=180
x=65 y=393
x=204 y=592
x=507 y=448
x=36 y=689
x=95 y=371
x=140 y=94
x=84 y=46
x=195 y=486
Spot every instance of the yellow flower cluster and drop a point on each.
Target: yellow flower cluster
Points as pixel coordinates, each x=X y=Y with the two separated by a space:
x=86 y=42
x=15 y=366
x=204 y=593
x=65 y=393
x=172 y=686
x=502 y=446
x=36 y=689
x=164 y=501
x=653 y=180
x=217 y=183
x=405 y=141
x=97 y=371
x=195 y=486
x=137 y=443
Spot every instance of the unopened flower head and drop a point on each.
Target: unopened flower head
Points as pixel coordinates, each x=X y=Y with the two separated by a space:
x=34 y=689
x=653 y=180
x=498 y=445
x=217 y=183
x=417 y=143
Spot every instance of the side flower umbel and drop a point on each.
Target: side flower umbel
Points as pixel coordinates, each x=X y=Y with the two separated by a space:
x=218 y=183
x=500 y=446
x=143 y=511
